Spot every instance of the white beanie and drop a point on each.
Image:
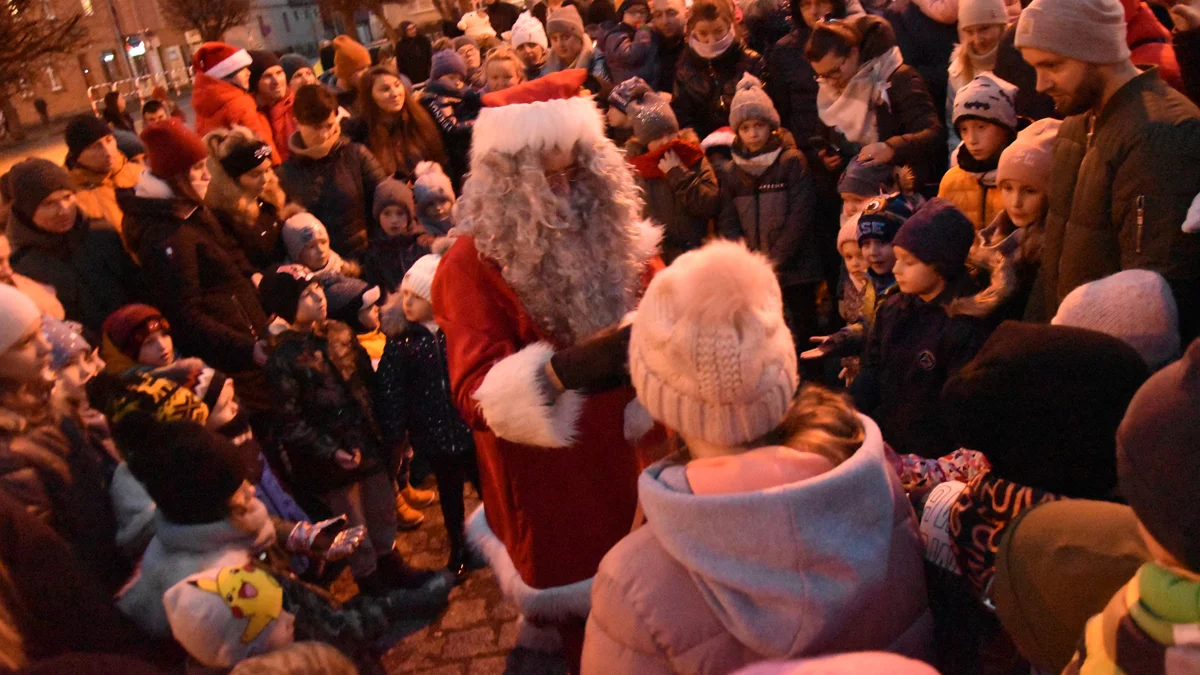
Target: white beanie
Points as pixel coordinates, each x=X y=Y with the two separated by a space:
x=1136 y=306
x=226 y=614
x=528 y=29
x=981 y=13
x=419 y=278
x=299 y=230
x=709 y=353
x=1092 y=31
x=17 y=314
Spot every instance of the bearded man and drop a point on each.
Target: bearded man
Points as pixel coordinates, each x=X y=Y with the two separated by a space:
x=553 y=254
x=1126 y=161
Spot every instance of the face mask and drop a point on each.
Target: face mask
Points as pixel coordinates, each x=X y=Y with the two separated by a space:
x=711 y=50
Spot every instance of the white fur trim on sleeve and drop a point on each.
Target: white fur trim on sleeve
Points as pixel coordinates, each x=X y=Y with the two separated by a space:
x=547 y=604
x=511 y=400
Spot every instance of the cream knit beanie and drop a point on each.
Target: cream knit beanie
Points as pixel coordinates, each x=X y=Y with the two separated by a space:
x=709 y=353
x=982 y=13
x=1092 y=31
x=1029 y=157
x=1135 y=306
x=17 y=314
x=419 y=278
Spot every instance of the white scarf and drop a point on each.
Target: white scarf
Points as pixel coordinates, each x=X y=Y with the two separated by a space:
x=852 y=111
x=758 y=164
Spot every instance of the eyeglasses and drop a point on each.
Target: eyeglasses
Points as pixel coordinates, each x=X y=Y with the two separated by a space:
x=831 y=74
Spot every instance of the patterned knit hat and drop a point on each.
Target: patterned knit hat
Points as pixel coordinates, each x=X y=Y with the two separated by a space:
x=987 y=98
x=709 y=353
x=882 y=217
x=145 y=395
x=939 y=235
x=129 y=326
x=1136 y=306
x=652 y=117
x=206 y=383
x=418 y=280
x=66 y=340
x=300 y=230
x=750 y=102
x=1028 y=158
x=220 y=60
x=226 y=614
x=1157 y=456
x=432 y=185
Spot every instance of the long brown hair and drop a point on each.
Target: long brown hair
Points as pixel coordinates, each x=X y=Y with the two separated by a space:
x=414 y=134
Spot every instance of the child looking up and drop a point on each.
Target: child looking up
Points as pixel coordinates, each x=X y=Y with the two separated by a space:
x=915 y=343
x=307 y=243
x=987 y=121
x=503 y=69
x=435 y=198
x=413 y=399
x=768 y=201
x=399 y=241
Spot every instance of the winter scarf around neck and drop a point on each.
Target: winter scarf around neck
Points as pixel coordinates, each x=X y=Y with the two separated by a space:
x=756 y=164
x=711 y=50
x=852 y=110
x=967 y=162
x=296 y=145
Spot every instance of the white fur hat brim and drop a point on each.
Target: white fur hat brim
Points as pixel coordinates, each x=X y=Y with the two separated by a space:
x=540 y=125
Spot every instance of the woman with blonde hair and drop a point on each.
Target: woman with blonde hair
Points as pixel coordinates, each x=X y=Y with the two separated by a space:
x=244 y=193
x=981 y=26
x=780 y=529
x=394 y=125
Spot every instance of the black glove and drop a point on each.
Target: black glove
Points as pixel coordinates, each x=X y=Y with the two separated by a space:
x=600 y=363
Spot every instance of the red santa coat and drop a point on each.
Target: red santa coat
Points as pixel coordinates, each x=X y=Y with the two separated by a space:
x=557 y=510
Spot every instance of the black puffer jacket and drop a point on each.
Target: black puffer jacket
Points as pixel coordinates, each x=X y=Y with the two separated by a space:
x=773 y=213
x=704 y=88
x=925 y=43
x=261 y=243
x=200 y=280
x=413 y=396
x=338 y=189
x=88 y=266
x=322 y=384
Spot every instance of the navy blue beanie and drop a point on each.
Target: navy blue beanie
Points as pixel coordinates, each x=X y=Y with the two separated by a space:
x=939 y=235
x=882 y=217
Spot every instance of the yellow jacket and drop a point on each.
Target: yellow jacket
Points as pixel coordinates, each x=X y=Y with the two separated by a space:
x=975 y=194
x=97 y=194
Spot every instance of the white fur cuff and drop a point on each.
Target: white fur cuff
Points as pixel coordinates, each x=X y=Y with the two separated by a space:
x=512 y=401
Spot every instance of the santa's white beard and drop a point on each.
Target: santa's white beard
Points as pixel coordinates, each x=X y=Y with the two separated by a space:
x=572 y=259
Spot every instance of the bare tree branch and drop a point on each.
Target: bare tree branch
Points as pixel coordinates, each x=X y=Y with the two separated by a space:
x=345 y=9
x=29 y=42
x=210 y=17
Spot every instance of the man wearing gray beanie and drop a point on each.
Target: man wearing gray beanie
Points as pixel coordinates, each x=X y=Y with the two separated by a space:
x=1126 y=163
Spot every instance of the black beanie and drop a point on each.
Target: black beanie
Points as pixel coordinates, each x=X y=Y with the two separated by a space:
x=1159 y=459
x=82 y=131
x=260 y=62
x=939 y=235
x=33 y=180
x=280 y=290
x=190 y=471
x=1043 y=404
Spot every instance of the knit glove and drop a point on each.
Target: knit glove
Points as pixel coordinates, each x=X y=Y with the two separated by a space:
x=599 y=363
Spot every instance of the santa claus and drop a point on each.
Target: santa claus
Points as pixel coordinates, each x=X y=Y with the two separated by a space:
x=554 y=256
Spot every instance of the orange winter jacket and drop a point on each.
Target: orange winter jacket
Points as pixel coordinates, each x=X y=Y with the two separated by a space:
x=219 y=104
x=975 y=194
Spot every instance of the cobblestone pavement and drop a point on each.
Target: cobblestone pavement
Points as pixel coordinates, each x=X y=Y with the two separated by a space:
x=475 y=636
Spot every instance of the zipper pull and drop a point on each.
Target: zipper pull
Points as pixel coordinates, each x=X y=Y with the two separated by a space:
x=1141 y=220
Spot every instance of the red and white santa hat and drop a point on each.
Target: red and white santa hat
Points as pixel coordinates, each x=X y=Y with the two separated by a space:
x=551 y=111
x=220 y=60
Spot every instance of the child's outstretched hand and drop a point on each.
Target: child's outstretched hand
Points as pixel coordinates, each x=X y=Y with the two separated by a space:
x=823 y=348
x=347 y=460
x=669 y=161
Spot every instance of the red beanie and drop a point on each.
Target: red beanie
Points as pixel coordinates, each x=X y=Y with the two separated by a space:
x=128 y=327
x=172 y=148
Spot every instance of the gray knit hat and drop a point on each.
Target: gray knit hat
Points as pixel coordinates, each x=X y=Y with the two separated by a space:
x=1092 y=31
x=750 y=102
x=431 y=184
x=33 y=180
x=392 y=192
x=1136 y=306
x=866 y=180
x=293 y=63
x=988 y=98
x=565 y=20
x=652 y=117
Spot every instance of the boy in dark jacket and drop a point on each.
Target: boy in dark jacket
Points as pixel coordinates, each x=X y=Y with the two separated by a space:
x=326 y=426
x=767 y=198
x=413 y=397
x=680 y=186
x=399 y=241
x=916 y=344
x=454 y=106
